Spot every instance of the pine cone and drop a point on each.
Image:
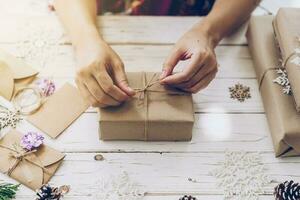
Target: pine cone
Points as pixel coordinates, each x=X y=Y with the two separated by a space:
x=188 y=197
x=46 y=192
x=289 y=190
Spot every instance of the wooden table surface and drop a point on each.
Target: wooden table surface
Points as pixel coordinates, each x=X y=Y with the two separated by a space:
x=162 y=169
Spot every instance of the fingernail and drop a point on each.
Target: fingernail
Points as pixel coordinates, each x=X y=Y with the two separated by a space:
x=162 y=82
x=163 y=74
x=130 y=90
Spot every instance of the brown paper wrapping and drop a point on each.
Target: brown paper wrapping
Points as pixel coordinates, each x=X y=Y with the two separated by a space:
x=38 y=167
x=287 y=28
x=282 y=116
x=163 y=114
x=14 y=73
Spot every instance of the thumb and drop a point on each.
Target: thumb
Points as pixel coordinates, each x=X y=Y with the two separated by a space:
x=170 y=63
x=122 y=83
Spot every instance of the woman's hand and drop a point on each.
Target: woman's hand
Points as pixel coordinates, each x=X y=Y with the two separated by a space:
x=101 y=76
x=197 y=46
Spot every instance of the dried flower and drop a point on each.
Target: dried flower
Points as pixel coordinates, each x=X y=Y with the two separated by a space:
x=240 y=92
x=31 y=141
x=46 y=86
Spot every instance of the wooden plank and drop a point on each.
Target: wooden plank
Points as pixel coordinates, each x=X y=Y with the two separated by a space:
x=234 y=61
x=212 y=133
x=159 y=174
x=117 y=29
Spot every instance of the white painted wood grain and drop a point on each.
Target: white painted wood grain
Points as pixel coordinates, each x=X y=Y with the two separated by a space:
x=159 y=174
x=212 y=133
x=125 y=29
x=215 y=98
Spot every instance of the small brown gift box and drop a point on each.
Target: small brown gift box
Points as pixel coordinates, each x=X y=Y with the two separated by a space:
x=287 y=31
x=33 y=169
x=156 y=113
x=282 y=116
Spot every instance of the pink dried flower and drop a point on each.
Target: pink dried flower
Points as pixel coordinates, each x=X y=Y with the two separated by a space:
x=31 y=141
x=46 y=86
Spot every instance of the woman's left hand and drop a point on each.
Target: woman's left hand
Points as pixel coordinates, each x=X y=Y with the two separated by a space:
x=197 y=46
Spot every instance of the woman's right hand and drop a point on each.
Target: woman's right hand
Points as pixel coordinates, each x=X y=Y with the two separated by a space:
x=100 y=75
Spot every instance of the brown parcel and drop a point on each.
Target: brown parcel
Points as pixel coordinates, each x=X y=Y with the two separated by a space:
x=157 y=114
x=281 y=114
x=14 y=73
x=287 y=29
x=35 y=169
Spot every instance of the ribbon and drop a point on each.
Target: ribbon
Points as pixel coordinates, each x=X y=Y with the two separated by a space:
x=283 y=66
x=143 y=97
x=264 y=74
x=18 y=101
x=19 y=157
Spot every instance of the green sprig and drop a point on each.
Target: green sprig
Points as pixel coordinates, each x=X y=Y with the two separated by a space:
x=8 y=191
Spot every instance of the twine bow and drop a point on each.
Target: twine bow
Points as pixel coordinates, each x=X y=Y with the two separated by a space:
x=146 y=87
x=20 y=156
x=143 y=97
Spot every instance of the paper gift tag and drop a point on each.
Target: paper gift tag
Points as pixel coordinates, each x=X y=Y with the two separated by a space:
x=59 y=111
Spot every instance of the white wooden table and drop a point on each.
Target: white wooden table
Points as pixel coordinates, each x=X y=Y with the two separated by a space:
x=162 y=169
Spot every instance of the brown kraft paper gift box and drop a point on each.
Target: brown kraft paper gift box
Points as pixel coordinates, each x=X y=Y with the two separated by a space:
x=282 y=116
x=154 y=114
x=286 y=26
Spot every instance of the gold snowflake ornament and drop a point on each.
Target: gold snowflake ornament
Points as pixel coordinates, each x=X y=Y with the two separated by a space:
x=240 y=92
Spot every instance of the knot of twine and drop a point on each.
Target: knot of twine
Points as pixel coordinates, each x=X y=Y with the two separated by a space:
x=20 y=156
x=146 y=87
x=283 y=66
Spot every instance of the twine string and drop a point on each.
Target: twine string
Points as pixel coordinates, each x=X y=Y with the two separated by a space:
x=143 y=99
x=22 y=156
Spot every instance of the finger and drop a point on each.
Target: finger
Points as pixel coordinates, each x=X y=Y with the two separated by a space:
x=195 y=64
x=202 y=72
x=104 y=80
x=170 y=63
x=98 y=93
x=88 y=96
x=203 y=83
x=121 y=80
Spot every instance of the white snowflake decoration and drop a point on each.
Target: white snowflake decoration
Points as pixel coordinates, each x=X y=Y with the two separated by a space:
x=283 y=80
x=38 y=44
x=119 y=188
x=8 y=118
x=242 y=176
